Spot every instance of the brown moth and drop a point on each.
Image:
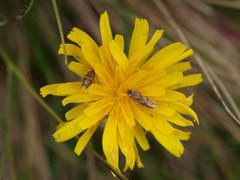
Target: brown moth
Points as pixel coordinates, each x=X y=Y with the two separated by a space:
x=138 y=97
x=88 y=79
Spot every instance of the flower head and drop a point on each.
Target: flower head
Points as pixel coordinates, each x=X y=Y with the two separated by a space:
x=132 y=95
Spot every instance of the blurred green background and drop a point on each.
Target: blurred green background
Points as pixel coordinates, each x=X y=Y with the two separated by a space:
x=27 y=149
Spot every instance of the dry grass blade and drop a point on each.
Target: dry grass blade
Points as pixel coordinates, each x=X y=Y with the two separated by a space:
x=19 y=16
x=161 y=6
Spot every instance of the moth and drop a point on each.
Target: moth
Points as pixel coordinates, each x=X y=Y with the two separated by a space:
x=88 y=79
x=138 y=97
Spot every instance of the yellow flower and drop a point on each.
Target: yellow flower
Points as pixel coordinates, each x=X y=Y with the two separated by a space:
x=130 y=95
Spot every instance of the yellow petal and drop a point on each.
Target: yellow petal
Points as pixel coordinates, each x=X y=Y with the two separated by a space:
x=141 y=137
x=71 y=50
x=180 y=120
x=183 y=109
x=91 y=57
x=61 y=89
x=84 y=139
x=152 y=91
x=142 y=54
x=103 y=76
x=79 y=98
x=118 y=54
x=80 y=37
x=106 y=59
x=172 y=96
x=166 y=56
x=181 y=135
x=181 y=66
x=164 y=109
x=77 y=68
x=75 y=112
x=127 y=114
x=138 y=160
x=100 y=90
x=97 y=106
x=119 y=39
x=189 y=80
x=169 y=141
x=109 y=140
x=144 y=119
x=68 y=130
x=139 y=36
x=105 y=29
x=162 y=125
x=170 y=79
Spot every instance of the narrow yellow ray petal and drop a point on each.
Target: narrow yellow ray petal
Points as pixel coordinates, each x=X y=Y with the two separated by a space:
x=183 y=109
x=119 y=39
x=170 y=79
x=91 y=57
x=127 y=113
x=118 y=54
x=103 y=76
x=68 y=130
x=152 y=91
x=71 y=50
x=170 y=142
x=172 y=96
x=61 y=89
x=105 y=29
x=84 y=139
x=189 y=80
x=80 y=37
x=166 y=56
x=100 y=90
x=138 y=160
x=139 y=36
x=75 y=112
x=182 y=135
x=141 y=137
x=181 y=66
x=79 y=98
x=164 y=109
x=162 y=125
x=97 y=106
x=106 y=59
x=79 y=69
x=142 y=54
x=144 y=119
x=179 y=120
x=109 y=140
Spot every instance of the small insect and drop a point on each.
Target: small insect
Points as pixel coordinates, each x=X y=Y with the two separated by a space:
x=88 y=79
x=141 y=99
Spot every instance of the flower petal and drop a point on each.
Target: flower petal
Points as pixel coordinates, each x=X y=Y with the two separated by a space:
x=68 y=130
x=110 y=141
x=169 y=141
x=139 y=36
x=119 y=39
x=189 y=80
x=105 y=29
x=80 y=37
x=118 y=54
x=72 y=50
x=141 y=137
x=180 y=120
x=79 y=98
x=77 y=68
x=84 y=139
x=75 y=112
x=166 y=56
x=181 y=66
x=183 y=109
x=127 y=114
x=61 y=89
